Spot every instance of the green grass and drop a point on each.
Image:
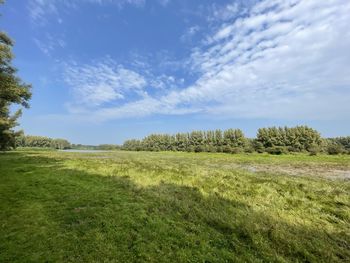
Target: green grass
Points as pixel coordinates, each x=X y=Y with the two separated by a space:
x=173 y=207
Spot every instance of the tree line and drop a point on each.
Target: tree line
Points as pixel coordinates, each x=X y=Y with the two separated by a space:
x=61 y=144
x=103 y=147
x=41 y=142
x=274 y=140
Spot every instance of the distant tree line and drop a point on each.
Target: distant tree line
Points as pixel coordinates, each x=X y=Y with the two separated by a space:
x=105 y=147
x=296 y=139
x=274 y=140
x=42 y=142
x=46 y=142
x=338 y=145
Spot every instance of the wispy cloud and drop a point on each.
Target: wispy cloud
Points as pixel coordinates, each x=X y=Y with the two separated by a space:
x=284 y=59
x=102 y=82
x=190 y=33
x=38 y=9
x=41 y=10
x=281 y=59
x=224 y=12
x=49 y=43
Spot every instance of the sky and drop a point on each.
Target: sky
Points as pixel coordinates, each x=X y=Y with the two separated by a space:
x=104 y=71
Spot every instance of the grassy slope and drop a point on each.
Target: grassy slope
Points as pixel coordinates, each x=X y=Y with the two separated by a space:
x=170 y=207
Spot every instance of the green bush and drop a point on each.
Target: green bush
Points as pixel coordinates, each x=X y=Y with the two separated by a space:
x=227 y=149
x=212 y=149
x=314 y=149
x=274 y=140
x=293 y=149
x=199 y=149
x=298 y=138
x=42 y=142
x=344 y=142
x=277 y=150
x=335 y=149
x=236 y=150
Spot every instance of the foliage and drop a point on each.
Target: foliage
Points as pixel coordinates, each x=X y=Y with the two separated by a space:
x=314 y=149
x=42 y=142
x=172 y=207
x=12 y=91
x=277 y=150
x=231 y=140
x=103 y=147
x=132 y=145
x=274 y=140
x=341 y=142
x=299 y=138
x=107 y=147
x=334 y=148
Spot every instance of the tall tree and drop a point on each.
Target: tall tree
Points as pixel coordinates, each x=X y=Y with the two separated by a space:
x=12 y=91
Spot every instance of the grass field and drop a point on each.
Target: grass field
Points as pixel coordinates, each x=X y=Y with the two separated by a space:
x=173 y=207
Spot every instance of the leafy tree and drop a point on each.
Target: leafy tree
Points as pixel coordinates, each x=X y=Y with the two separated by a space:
x=107 y=147
x=334 y=149
x=41 y=142
x=12 y=91
x=342 y=142
x=234 y=138
x=181 y=142
x=60 y=144
x=218 y=138
x=296 y=139
x=233 y=141
x=196 y=140
x=274 y=140
x=132 y=145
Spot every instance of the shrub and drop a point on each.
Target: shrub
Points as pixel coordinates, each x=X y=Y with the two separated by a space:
x=314 y=149
x=344 y=142
x=199 y=148
x=219 y=149
x=258 y=146
x=293 y=149
x=249 y=146
x=334 y=149
x=236 y=150
x=277 y=150
x=227 y=149
x=190 y=149
x=211 y=149
x=313 y=153
x=249 y=149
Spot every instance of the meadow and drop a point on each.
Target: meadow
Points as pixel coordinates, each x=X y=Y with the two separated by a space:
x=173 y=207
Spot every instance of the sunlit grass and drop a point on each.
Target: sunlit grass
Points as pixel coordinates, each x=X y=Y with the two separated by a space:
x=173 y=207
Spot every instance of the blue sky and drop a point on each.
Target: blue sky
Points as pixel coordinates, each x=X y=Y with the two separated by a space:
x=108 y=70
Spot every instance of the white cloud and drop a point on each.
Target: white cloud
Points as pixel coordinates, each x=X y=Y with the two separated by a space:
x=48 y=43
x=102 y=82
x=40 y=10
x=285 y=59
x=218 y=12
x=225 y=12
x=190 y=32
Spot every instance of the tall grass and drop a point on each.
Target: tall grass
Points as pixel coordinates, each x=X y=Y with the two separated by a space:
x=172 y=207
